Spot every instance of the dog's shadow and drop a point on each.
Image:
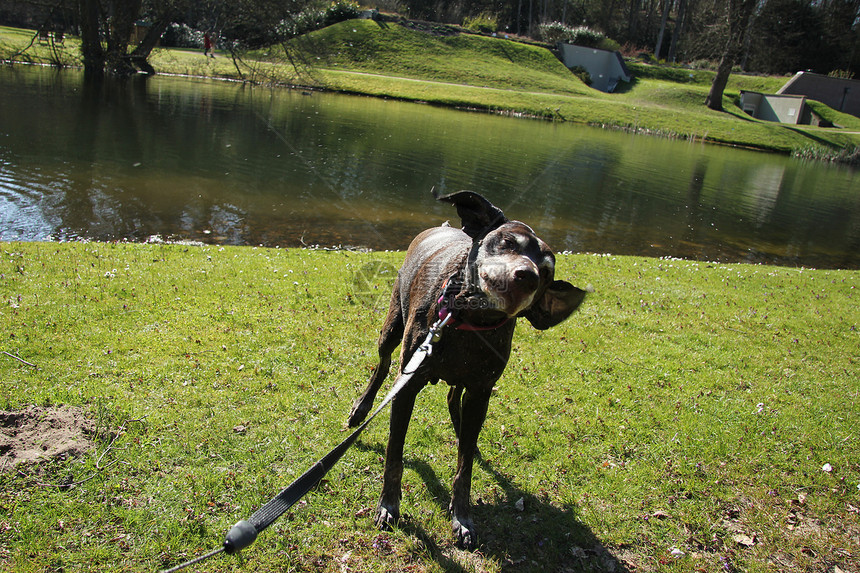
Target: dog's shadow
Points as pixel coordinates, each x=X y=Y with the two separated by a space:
x=539 y=536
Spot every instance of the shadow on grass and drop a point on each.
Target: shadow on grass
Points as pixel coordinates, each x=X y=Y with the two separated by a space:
x=540 y=537
x=626 y=87
x=819 y=140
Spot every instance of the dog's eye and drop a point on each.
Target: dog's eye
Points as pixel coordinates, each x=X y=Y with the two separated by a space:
x=508 y=244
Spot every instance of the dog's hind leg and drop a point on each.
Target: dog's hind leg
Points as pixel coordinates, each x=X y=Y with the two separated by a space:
x=454 y=395
x=473 y=411
x=389 y=339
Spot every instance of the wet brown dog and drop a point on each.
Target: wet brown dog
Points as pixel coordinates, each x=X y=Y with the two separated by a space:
x=487 y=274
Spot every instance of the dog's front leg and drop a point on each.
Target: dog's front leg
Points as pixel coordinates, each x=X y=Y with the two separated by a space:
x=388 y=510
x=389 y=339
x=473 y=410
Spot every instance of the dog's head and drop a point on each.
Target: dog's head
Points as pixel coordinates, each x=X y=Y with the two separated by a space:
x=511 y=266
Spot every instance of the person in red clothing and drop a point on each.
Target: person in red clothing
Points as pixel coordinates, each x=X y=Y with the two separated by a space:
x=207 y=46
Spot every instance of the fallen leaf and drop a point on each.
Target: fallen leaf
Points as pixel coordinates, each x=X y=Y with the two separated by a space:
x=363 y=512
x=744 y=540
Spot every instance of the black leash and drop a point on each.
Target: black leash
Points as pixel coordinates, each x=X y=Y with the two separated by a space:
x=245 y=532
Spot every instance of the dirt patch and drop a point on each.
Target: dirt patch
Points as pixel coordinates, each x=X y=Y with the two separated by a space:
x=37 y=434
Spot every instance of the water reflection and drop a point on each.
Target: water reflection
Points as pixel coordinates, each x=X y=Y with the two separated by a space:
x=226 y=163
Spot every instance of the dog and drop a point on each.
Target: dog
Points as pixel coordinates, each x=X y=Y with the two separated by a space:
x=487 y=274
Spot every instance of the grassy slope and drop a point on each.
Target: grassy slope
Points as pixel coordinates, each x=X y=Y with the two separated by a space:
x=644 y=423
x=470 y=71
x=363 y=45
x=665 y=101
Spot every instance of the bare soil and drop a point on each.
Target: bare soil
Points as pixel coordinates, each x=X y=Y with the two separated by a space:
x=37 y=434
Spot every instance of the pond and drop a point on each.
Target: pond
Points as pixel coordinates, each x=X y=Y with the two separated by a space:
x=227 y=163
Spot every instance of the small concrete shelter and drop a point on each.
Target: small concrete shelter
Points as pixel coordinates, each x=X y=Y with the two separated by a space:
x=605 y=68
x=776 y=107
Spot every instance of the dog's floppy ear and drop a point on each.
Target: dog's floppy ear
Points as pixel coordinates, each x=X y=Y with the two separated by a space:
x=478 y=215
x=558 y=301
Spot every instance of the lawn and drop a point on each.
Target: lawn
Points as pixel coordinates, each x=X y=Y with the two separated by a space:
x=690 y=417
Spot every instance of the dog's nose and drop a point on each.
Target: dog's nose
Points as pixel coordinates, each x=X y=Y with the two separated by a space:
x=526 y=279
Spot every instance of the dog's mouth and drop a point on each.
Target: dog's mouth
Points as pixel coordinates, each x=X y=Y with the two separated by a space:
x=509 y=294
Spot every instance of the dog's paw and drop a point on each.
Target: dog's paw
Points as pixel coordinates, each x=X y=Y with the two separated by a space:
x=464 y=533
x=357 y=414
x=386 y=517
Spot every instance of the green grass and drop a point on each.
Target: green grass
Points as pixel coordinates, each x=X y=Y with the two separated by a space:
x=481 y=61
x=498 y=75
x=687 y=405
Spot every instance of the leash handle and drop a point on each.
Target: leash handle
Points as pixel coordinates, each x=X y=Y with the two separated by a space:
x=239 y=537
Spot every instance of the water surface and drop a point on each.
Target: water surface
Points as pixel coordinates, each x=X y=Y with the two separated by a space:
x=226 y=163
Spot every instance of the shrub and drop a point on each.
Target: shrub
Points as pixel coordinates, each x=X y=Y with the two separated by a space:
x=609 y=44
x=704 y=65
x=844 y=74
x=311 y=18
x=308 y=20
x=582 y=74
x=585 y=36
x=554 y=32
x=341 y=10
x=484 y=23
x=182 y=36
x=581 y=36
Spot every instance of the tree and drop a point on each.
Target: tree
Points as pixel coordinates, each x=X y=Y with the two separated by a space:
x=788 y=35
x=106 y=31
x=737 y=18
x=160 y=14
x=659 y=46
x=112 y=20
x=841 y=19
x=107 y=26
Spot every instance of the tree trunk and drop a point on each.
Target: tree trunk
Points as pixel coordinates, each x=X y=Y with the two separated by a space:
x=89 y=12
x=633 y=22
x=124 y=13
x=679 y=29
x=141 y=53
x=531 y=12
x=151 y=39
x=519 y=17
x=112 y=56
x=740 y=15
x=666 y=5
x=606 y=15
x=715 y=96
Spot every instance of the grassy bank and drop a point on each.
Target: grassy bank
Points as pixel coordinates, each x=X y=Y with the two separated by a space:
x=494 y=74
x=691 y=416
